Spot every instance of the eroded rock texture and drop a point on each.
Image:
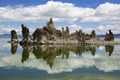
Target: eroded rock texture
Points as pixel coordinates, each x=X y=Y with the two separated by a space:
x=81 y=37
x=109 y=36
x=25 y=32
x=14 y=35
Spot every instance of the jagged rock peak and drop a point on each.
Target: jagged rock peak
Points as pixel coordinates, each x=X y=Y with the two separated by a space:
x=50 y=24
x=25 y=31
x=93 y=34
x=51 y=21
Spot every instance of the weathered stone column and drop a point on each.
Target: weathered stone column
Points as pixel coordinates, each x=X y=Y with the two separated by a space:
x=25 y=33
x=14 y=37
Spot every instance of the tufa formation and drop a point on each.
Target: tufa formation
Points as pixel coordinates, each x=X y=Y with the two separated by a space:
x=14 y=37
x=49 y=34
x=109 y=36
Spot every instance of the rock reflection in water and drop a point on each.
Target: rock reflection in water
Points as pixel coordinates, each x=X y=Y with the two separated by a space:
x=109 y=49
x=25 y=53
x=14 y=48
x=49 y=53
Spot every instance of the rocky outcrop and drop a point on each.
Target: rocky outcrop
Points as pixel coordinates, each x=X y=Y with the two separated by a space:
x=58 y=34
x=27 y=39
x=86 y=36
x=37 y=35
x=49 y=34
x=109 y=36
x=50 y=24
x=81 y=37
x=93 y=34
x=14 y=37
x=65 y=33
x=25 y=32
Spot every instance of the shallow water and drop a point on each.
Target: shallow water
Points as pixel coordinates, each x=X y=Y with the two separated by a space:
x=59 y=62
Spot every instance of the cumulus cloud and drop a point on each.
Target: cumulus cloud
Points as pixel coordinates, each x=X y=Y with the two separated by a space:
x=74 y=27
x=107 y=12
x=102 y=29
x=61 y=12
x=6 y=29
x=58 y=10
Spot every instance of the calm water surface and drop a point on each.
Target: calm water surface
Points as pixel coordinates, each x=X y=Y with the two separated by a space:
x=59 y=62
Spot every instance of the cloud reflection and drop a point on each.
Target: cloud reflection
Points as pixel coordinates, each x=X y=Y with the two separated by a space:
x=101 y=61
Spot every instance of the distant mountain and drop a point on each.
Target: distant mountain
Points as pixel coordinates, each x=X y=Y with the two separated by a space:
x=115 y=35
x=5 y=35
x=100 y=35
x=8 y=36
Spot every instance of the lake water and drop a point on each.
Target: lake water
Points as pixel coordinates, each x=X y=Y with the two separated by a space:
x=59 y=62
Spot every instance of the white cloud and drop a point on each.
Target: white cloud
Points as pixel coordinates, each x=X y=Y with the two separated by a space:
x=74 y=27
x=107 y=12
x=58 y=10
x=6 y=29
x=102 y=29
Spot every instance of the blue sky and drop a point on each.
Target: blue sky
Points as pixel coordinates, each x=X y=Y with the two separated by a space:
x=82 y=3
x=87 y=15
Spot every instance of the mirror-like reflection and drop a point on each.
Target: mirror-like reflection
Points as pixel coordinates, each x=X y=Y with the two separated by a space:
x=59 y=61
x=109 y=49
x=49 y=53
x=14 y=48
x=25 y=53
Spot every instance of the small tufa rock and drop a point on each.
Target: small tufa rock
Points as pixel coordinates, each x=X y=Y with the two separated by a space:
x=109 y=36
x=25 y=32
x=14 y=35
x=93 y=34
x=50 y=24
x=81 y=37
x=37 y=35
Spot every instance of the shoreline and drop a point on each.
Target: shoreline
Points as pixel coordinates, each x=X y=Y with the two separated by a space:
x=68 y=42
